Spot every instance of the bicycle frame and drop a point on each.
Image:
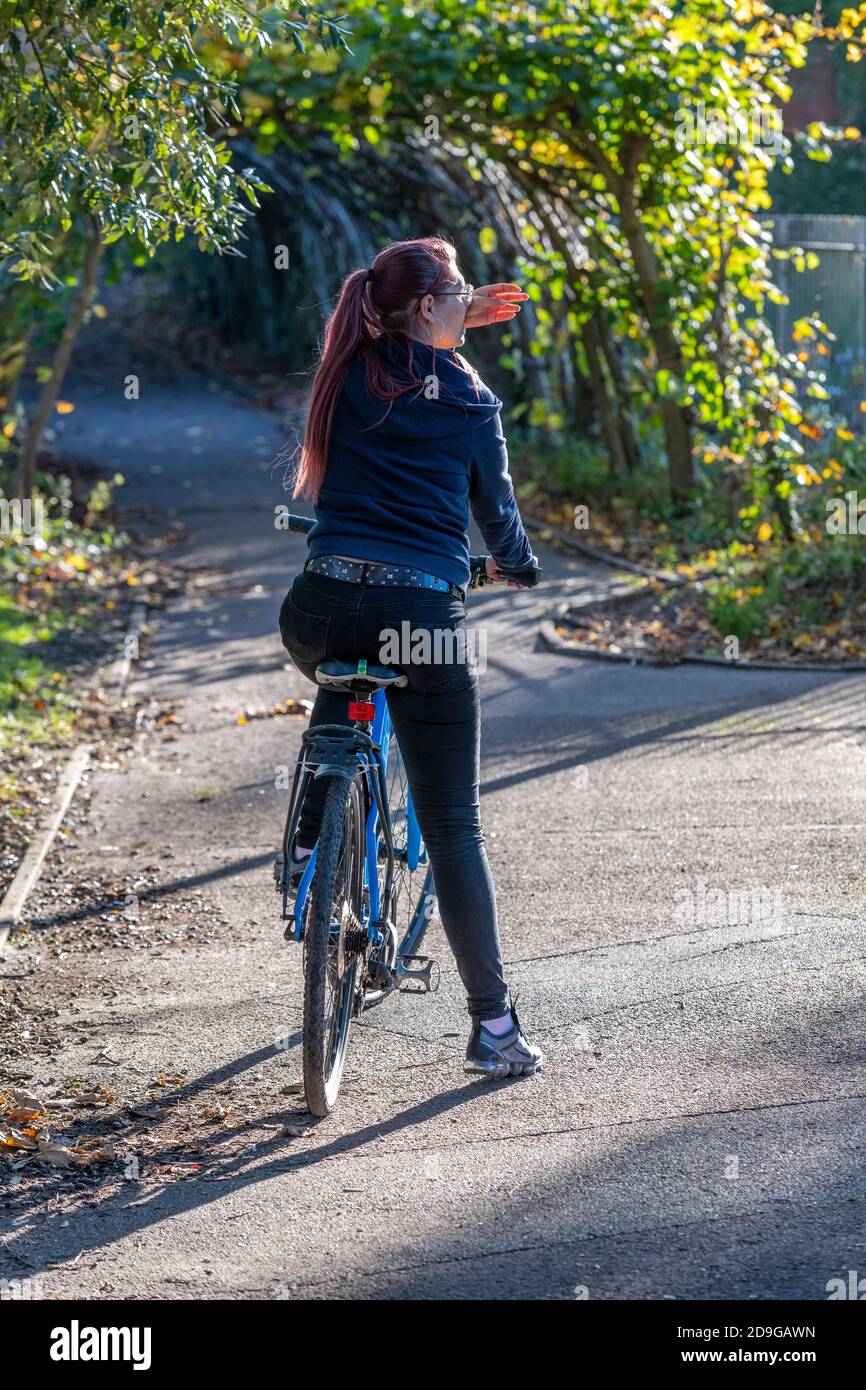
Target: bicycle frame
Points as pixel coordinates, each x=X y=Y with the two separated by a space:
x=339 y=750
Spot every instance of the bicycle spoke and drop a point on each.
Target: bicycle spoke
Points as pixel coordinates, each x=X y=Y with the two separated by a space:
x=412 y=887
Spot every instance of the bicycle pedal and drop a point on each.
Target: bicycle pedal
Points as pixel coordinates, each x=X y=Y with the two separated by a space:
x=423 y=979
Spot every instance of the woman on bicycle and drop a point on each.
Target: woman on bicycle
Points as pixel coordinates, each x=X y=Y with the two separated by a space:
x=402 y=439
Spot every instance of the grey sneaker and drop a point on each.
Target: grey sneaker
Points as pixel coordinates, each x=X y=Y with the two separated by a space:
x=498 y=1057
x=297 y=866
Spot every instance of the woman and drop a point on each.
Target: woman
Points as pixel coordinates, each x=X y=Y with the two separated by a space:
x=402 y=438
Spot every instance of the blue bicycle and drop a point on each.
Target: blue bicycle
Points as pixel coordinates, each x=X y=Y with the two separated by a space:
x=366 y=895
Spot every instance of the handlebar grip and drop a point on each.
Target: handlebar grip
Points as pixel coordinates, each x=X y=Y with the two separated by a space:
x=527 y=579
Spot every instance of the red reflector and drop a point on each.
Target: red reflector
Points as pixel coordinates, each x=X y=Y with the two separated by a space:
x=361 y=709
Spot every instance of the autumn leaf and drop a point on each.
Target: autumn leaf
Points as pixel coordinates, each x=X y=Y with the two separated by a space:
x=17 y=1139
x=54 y=1154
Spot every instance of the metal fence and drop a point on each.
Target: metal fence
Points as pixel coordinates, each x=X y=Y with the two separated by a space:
x=835 y=290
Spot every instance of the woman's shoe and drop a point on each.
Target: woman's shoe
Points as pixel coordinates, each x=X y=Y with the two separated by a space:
x=498 y=1057
x=297 y=866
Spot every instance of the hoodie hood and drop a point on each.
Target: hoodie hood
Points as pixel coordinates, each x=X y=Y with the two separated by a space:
x=460 y=405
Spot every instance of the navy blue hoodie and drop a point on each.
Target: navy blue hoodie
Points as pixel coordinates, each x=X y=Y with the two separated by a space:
x=400 y=482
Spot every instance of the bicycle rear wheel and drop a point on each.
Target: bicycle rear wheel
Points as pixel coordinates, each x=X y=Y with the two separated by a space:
x=331 y=956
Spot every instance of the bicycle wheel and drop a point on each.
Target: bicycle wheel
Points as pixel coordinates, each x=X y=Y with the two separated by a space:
x=331 y=957
x=414 y=895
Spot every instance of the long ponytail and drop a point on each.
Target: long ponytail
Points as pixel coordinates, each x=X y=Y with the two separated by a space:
x=343 y=333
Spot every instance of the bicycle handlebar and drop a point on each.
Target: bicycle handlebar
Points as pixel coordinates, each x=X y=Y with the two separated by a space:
x=526 y=579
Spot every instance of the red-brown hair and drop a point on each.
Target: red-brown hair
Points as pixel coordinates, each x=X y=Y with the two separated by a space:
x=369 y=306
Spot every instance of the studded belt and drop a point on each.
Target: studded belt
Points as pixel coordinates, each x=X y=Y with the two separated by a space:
x=375 y=573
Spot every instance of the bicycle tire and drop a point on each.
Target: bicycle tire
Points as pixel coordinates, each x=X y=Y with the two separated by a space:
x=327 y=963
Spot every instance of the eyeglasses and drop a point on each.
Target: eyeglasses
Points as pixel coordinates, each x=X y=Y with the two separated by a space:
x=465 y=293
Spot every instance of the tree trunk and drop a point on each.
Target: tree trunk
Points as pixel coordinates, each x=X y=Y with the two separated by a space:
x=607 y=418
x=630 y=442
x=26 y=480
x=583 y=411
x=678 y=446
x=577 y=389
x=675 y=419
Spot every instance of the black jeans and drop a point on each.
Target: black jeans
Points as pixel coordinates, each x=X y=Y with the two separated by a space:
x=437 y=721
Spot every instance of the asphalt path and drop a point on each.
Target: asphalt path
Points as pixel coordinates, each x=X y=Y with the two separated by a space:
x=678 y=855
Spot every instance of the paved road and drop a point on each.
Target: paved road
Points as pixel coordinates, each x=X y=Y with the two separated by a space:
x=698 y=1131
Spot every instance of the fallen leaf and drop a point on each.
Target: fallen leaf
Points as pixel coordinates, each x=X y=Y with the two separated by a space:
x=27 y=1099
x=54 y=1154
x=16 y=1139
x=22 y=1116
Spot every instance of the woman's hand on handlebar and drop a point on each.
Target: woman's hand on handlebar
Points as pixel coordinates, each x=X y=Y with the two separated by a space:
x=491 y=569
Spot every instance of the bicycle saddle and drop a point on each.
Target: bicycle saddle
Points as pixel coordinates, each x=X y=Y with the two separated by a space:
x=357 y=676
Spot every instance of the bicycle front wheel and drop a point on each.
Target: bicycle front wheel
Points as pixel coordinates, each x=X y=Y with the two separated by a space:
x=331 y=956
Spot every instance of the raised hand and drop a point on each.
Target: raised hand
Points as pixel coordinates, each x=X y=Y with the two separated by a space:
x=494 y=304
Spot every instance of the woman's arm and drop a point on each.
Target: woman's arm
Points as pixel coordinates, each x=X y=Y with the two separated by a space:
x=491 y=497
